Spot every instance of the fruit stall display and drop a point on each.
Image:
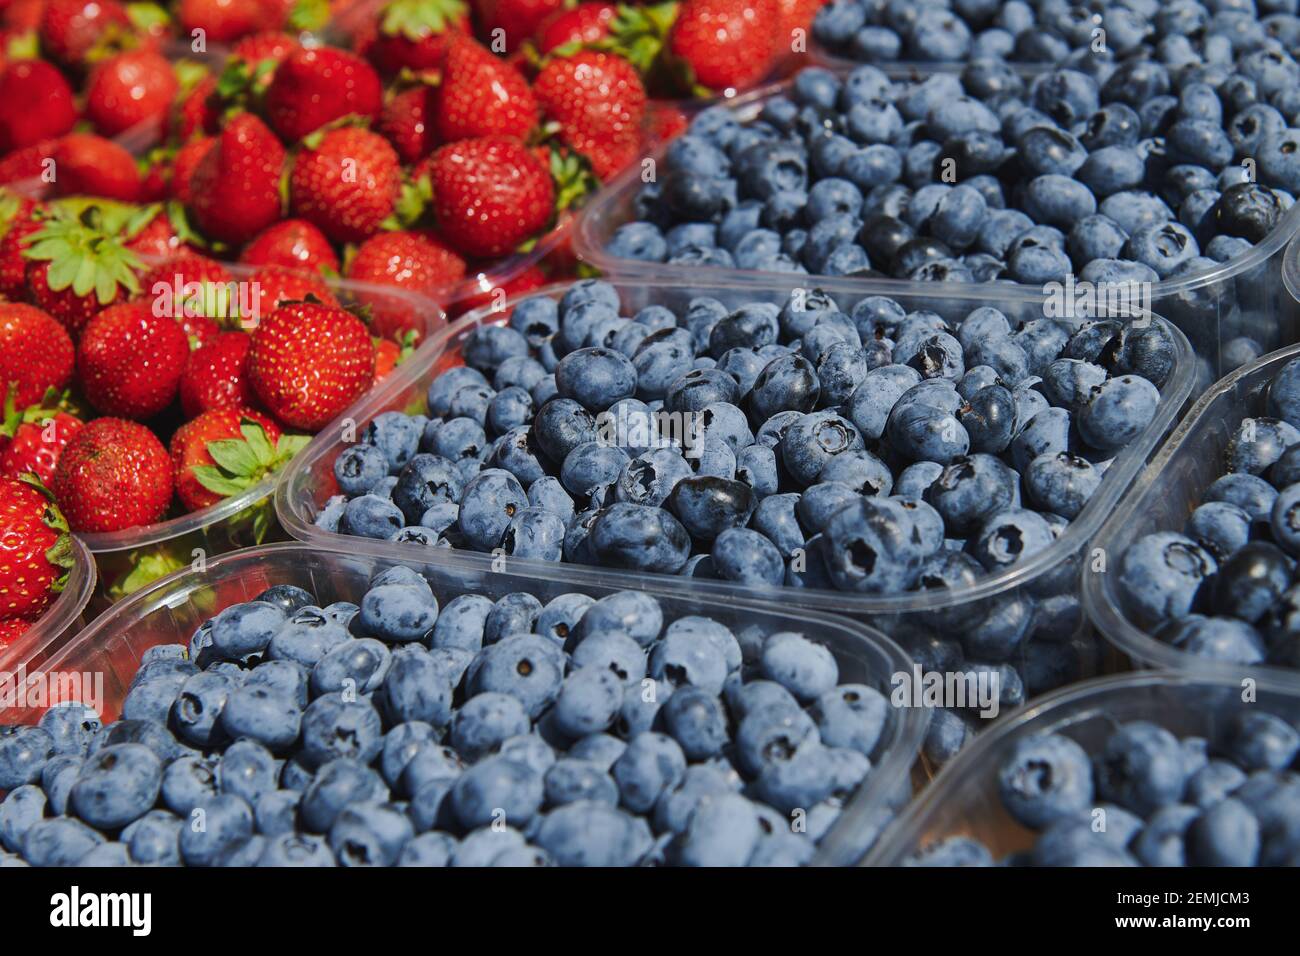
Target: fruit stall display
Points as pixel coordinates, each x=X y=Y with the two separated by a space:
x=1154 y=769
x=1144 y=177
x=592 y=797
x=477 y=447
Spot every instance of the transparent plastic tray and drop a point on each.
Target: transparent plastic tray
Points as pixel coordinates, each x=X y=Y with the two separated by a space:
x=1162 y=499
x=166 y=546
x=169 y=611
x=963 y=800
x=62 y=620
x=1053 y=573
x=1242 y=298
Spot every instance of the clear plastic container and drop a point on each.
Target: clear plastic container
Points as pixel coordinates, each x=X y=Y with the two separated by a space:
x=1046 y=584
x=131 y=558
x=170 y=610
x=1242 y=298
x=1162 y=499
x=62 y=620
x=963 y=800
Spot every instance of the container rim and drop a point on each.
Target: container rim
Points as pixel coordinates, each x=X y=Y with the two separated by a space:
x=1099 y=602
x=432 y=319
x=903 y=836
x=62 y=615
x=597 y=215
x=894 y=766
x=293 y=504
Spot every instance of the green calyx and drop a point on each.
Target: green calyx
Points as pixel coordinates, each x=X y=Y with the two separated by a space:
x=309 y=15
x=84 y=242
x=243 y=462
x=638 y=34
x=59 y=554
x=573 y=177
x=147 y=566
x=417 y=19
x=147 y=17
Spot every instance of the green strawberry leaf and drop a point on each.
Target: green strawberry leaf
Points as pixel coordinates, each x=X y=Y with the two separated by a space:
x=23 y=46
x=218 y=483
x=145 y=17
x=147 y=566
x=288 y=446
x=416 y=19
x=255 y=435
x=309 y=15
x=234 y=456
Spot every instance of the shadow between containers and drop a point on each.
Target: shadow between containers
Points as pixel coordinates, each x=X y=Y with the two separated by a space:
x=1162 y=499
x=153 y=550
x=170 y=609
x=1240 y=298
x=308 y=480
x=964 y=801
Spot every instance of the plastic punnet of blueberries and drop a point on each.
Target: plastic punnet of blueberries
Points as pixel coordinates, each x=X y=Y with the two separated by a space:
x=397 y=732
x=876 y=451
x=1225 y=588
x=1145 y=797
x=1130 y=172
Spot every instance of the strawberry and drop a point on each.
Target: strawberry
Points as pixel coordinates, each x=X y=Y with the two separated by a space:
x=405 y=123
x=28 y=163
x=798 y=15
x=313 y=87
x=309 y=362
x=23 y=84
x=71 y=29
x=89 y=165
x=599 y=102
x=531 y=278
x=728 y=44
x=575 y=27
x=276 y=286
x=22 y=16
x=36 y=353
x=185 y=162
x=225 y=452
x=113 y=474
x=129 y=89
x=236 y=185
x=35 y=549
x=516 y=19
x=489 y=194
x=666 y=122
x=347 y=183
x=215 y=375
x=79 y=262
x=411 y=261
x=157 y=240
x=17 y=222
x=481 y=96
x=268 y=45
x=12 y=628
x=414 y=34
x=129 y=360
x=170 y=289
x=387 y=354
x=197 y=110
x=221 y=20
x=38 y=439
x=294 y=244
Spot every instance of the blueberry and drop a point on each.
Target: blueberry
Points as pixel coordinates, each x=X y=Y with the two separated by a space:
x=640 y=537
x=1160 y=574
x=1226 y=834
x=336 y=786
x=1141 y=768
x=489 y=503
x=221 y=823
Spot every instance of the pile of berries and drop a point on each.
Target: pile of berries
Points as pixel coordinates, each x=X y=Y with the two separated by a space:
x=35 y=556
x=412 y=732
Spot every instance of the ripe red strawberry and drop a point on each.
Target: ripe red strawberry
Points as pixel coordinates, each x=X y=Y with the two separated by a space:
x=313 y=87
x=222 y=20
x=215 y=375
x=157 y=240
x=347 y=184
x=185 y=162
x=531 y=278
x=387 y=354
x=405 y=122
x=277 y=285
x=129 y=89
x=309 y=362
x=729 y=44
x=70 y=29
x=17 y=222
x=113 y=474
x=170 y=289
x=411 y=261
x=35 y=550
x=236 y=186
x=12 y=628
x=516 y=19
x=294 y=244
x=267 y=45
x=28 y=163
x=38 y=439
x=413 y=34
x=599 y=102
x=489 y=194
x=226 y=451
x=23 y=84
x=797 y=15
x=666 y=122
x=197 y=111
x=22 y=16
x=36 y=354
x=481 y=95
x=89 y=165
x=129 y=360
x=585 y=23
